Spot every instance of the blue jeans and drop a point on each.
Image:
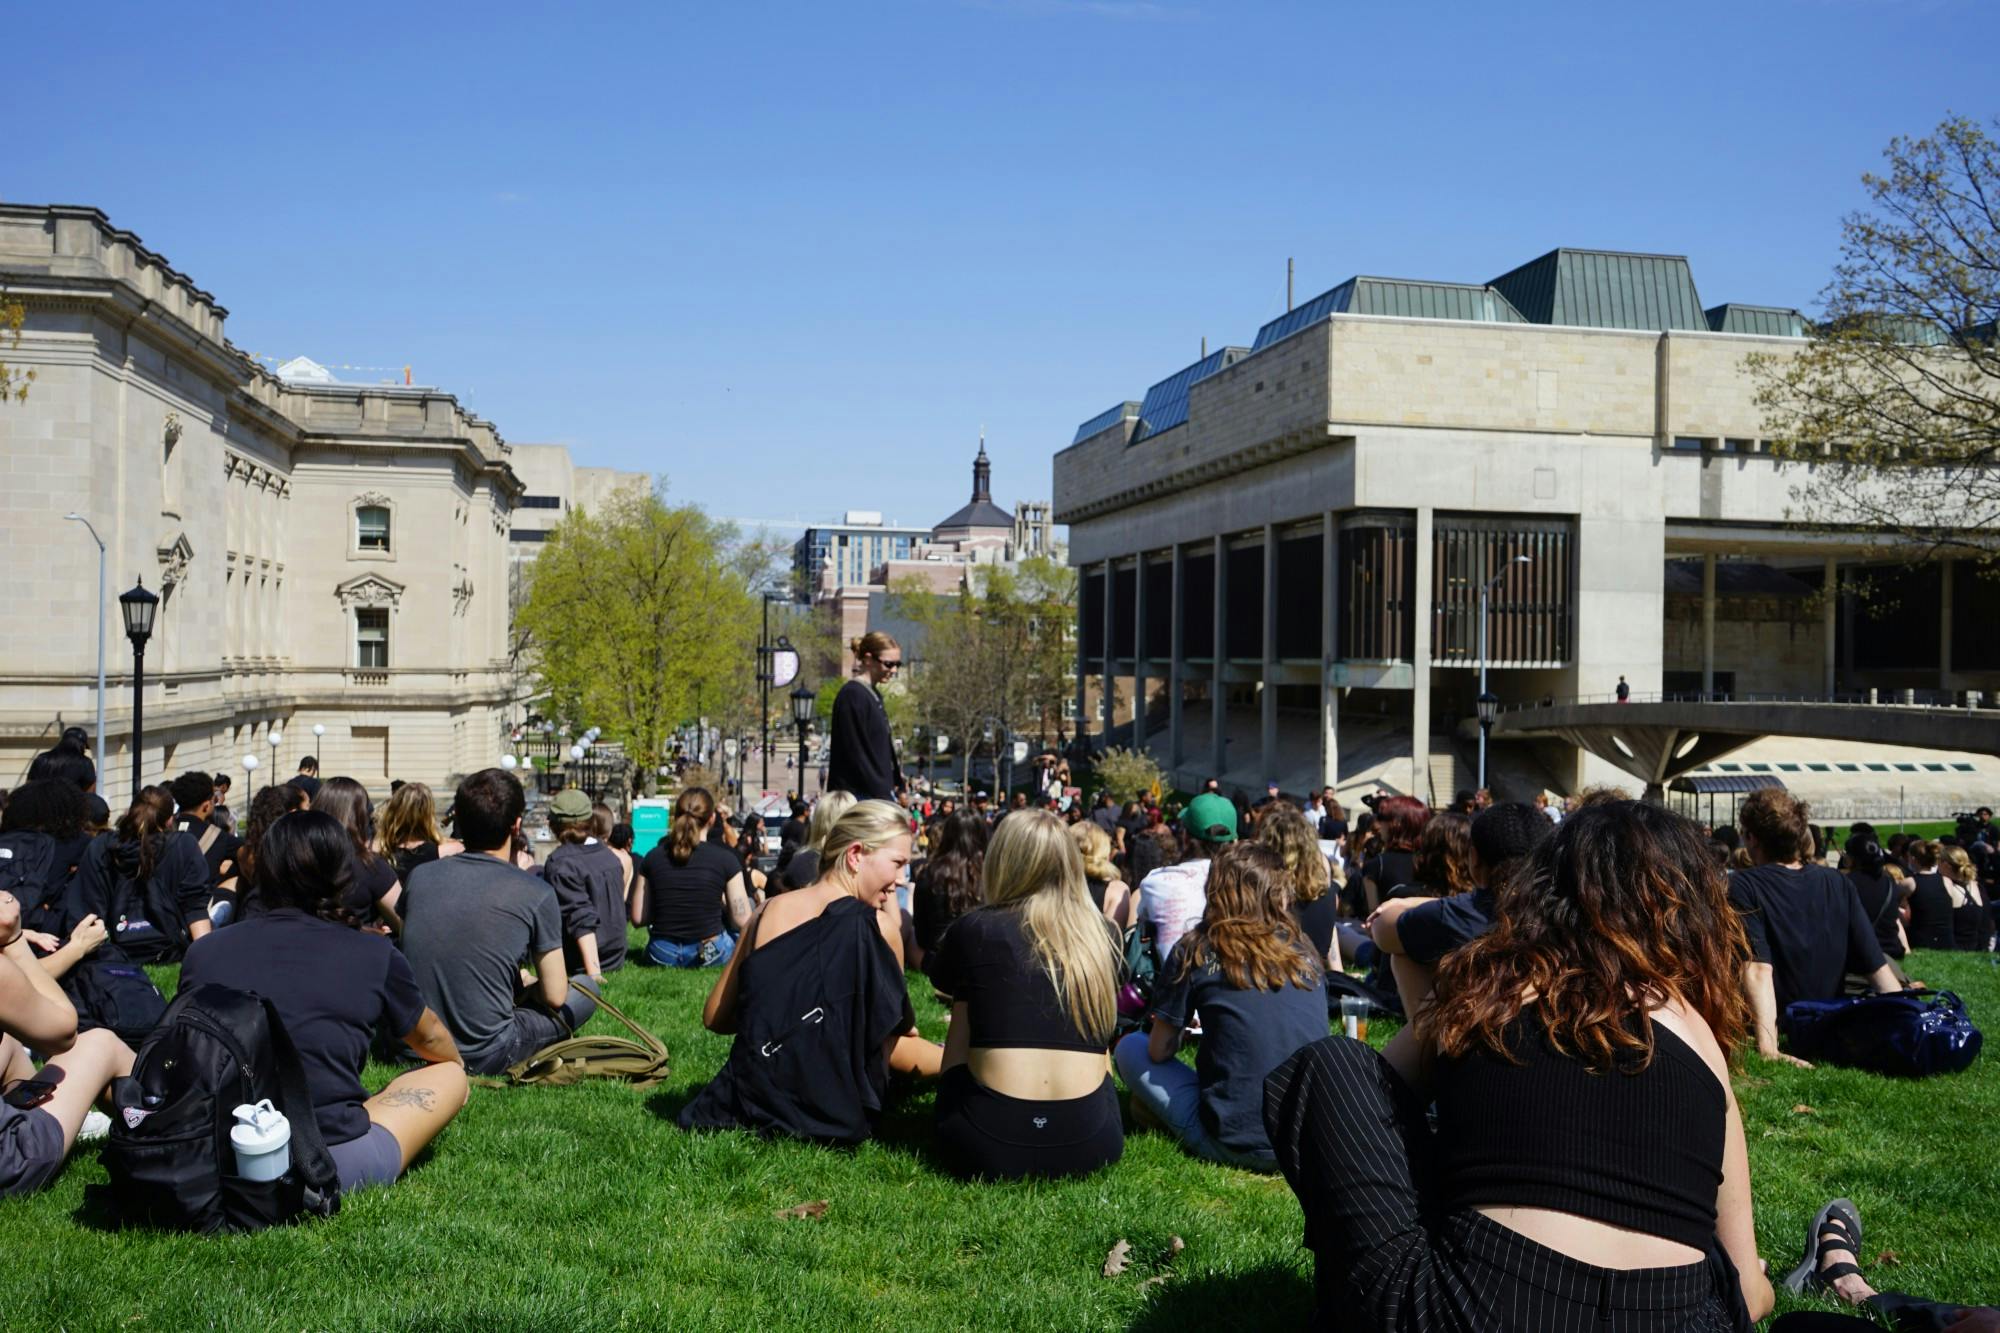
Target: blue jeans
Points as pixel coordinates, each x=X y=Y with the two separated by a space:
x=672 y=953
x=1172 y=1092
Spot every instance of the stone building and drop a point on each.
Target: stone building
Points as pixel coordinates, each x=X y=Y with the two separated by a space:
x=1282 y=546
x=327 y=554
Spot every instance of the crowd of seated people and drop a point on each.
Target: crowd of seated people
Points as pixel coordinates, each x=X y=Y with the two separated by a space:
x=1552 y=1133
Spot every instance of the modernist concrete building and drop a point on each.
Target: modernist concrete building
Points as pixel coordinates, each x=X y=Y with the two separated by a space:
x=327 y=553
x=1283 y=546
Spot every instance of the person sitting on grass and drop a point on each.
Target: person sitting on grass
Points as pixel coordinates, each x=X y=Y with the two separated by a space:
x=1971 y=922
x=1588 y=1168
x=1100 y=873
x=1806 y=925
x=815 y=998
x=406 y=830
x=376 y=890
x=468 y=922
x=803 y=868
x=334 y=986
x=1289 y=833
x=1832 y=1263
x=1253 y=974
x=147 y=881
x=948 y=885
x=1418 y=932
x=686 y=883
x=1171 y=898
x=1032 y=977
x=589 y=888
x=41 y=1112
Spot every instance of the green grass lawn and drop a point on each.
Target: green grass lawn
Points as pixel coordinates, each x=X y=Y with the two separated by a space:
x=573 y=1207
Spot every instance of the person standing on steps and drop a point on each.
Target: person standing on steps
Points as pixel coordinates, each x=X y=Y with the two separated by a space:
x=1624 y=691
x=861 y=758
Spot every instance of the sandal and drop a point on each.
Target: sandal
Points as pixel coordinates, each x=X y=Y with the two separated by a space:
x=1839 y=1217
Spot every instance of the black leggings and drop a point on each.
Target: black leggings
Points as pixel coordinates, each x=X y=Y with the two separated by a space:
x=987 y=1133
x=1353 y=1142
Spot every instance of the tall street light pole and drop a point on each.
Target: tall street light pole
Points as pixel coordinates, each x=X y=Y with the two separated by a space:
x=1487 y=703
x=79 y=518
x=803 y=700
x=139 y=606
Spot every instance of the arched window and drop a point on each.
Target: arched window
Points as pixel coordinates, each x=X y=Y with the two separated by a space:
x=371 y=528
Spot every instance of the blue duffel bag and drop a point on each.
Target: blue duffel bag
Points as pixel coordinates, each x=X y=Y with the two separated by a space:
x=1910 y=1035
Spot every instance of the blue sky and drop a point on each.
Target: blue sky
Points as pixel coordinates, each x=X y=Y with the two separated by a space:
x=795 y=256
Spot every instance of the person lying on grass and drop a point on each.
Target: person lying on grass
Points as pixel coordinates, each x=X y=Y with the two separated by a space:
x=814 y=996
x=333 y=985
x=40 y=1113
x=1032 y=977
x=1258 y=982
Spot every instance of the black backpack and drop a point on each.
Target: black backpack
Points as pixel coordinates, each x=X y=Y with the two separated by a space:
x=109 y=990
x=169 y=1155
x=143 y=920
x=27 y=870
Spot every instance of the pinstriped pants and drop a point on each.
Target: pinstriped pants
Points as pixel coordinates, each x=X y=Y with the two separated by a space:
x=1354 y=1145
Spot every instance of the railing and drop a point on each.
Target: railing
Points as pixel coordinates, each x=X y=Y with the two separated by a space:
x=358 y=677
x=1942 y=700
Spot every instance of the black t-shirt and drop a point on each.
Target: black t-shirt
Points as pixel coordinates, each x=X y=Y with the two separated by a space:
x=1808 y=925
x=1105 y=817
x=1317 y=919
x=1930 y=912
x=1331 y=829
x=800 y=871
x=792 y=832
x=931 y=916
x=1132 y=823
x=985 y=961
x=590 y=891
x=221 y=850
x=1878 y=894
x=332 y=986
x=1388 y=870
x=684 y=902
x=1245 y=1034
x=409 y=858
x=373 y=878
x=1431 y=930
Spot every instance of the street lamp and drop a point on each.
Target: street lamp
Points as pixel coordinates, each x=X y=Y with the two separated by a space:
x=803 y=700
x=139 y=606
x=73 y=516
x=276 y=738
x=1486 y=709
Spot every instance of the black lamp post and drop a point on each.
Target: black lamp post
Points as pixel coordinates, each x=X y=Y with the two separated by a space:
x=139 y=606
x=1488 y=704
x=803 y=700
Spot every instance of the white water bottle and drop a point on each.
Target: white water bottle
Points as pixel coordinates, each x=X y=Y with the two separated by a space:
x=262 y=1138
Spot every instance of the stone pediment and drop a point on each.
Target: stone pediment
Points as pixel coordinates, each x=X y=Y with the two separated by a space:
x=175 y=554
x=369 y=590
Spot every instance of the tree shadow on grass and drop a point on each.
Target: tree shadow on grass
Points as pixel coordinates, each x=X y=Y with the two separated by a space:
x=1269 y=1296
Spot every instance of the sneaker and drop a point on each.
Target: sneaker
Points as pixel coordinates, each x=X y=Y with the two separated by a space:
x=96 y=1125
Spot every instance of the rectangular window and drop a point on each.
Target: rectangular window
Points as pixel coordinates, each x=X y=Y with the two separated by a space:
x=526 y=535
x=1734 y=446
x=541 y=502
x=1687 y=444
x=371 y=528
x=371 y=637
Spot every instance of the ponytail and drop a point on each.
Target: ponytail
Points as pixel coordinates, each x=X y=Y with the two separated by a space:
x=872 y=644
x=693 y=808
x=146 y=823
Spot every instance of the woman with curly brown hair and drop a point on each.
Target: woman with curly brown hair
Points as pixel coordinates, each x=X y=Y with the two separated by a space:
x=1253 y=974
x=1588 y=1167
x=1288 y=832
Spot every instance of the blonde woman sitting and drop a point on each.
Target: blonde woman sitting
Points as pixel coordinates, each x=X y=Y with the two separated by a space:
x=814 y=996
x=1032 y=977
x=1111 y=894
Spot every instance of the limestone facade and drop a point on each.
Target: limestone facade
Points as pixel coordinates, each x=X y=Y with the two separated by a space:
x=327 y=553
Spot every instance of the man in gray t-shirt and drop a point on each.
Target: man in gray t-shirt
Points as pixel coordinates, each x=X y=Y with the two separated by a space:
x=471 y=920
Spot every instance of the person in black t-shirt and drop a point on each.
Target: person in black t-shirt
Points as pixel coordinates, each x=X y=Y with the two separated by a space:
x=1806 y=927
x=334 y=986
x=589 y=886
x=686 y=884
x=147 y=881
x=861 y=756
x=375 y=893
x=1290 y=834
x=194 y=794
x=1250 y=971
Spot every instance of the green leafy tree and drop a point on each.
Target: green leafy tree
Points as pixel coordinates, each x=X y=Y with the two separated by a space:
x=628 y=609
x=1127 y=773
x=1894 y=402
x=14 y=381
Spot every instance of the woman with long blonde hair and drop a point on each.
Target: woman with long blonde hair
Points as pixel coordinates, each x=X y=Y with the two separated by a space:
x=406 y=830
x=1032 y=977
x=815 y=998
x=1286 y=830
x=1261 y=990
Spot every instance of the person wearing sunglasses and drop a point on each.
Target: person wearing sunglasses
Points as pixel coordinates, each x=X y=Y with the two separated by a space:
x=860 y=756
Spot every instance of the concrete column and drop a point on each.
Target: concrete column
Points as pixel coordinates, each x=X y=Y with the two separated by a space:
x=1139 y=653
x=1830 y=605
x=1944 y=625
x=1218 y=739
x=1176 y=664
x=1420 y=661
x=1082 y=671
x=1110 y=678
x=1708 y=623
x=1267 y=694
x=1329 y=652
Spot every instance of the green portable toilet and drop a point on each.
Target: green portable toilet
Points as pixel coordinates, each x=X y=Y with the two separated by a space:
x=650 y=815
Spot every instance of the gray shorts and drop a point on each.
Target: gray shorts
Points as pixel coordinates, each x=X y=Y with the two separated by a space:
x=31 y=1149
x=373 y=1159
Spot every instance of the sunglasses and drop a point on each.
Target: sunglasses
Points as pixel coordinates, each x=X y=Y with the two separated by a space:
x=890 y=663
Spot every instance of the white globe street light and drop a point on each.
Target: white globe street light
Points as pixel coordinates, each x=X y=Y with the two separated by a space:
x=507 y=761
x=249 y=763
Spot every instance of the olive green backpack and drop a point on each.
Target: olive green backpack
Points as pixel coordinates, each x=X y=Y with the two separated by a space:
x=640 y=1060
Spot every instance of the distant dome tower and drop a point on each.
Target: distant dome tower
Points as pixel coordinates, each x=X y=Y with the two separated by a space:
x=981 y=518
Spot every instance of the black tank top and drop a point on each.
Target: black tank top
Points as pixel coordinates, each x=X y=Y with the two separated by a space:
x=1971 y=926
x=1930 y=912
x=1640 y=1150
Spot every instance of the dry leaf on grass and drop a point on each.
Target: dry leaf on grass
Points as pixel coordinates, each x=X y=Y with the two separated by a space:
x=1154 y=1281
x=817 y=1208
x=1175 y=1246
x=1119 y=1259
x=1803 y=1109
x=1889 y=1258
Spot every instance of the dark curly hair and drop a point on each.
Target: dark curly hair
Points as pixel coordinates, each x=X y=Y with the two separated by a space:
x=1622 y=909
x=953 y=872
x=306 y=862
